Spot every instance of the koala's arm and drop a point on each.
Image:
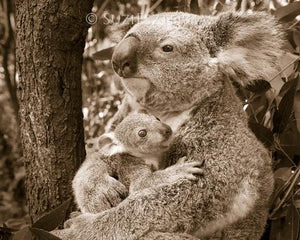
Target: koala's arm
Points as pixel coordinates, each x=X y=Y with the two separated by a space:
x=95 y=188
x=136 y=175
x=237 y=177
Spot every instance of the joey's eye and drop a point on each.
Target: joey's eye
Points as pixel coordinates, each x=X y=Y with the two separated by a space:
x=142 y=133
x=157 y=118
x=167 y=48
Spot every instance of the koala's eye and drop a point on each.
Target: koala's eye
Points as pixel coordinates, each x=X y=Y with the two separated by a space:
x=157 y=118
x=167 y=48
x=142 y=133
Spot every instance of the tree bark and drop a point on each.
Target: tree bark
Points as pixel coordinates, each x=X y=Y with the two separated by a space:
x=50 y=42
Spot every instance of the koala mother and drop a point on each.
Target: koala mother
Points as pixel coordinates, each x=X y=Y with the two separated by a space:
x=181 y=67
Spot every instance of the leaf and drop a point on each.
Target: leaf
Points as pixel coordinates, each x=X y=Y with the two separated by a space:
x=262 y=133
x=297 y=203
x=282 y=175
x=258 y=86
x=43 y=235
x=288 y=12
x=297 y=66
x=285 y=108
x=297 y=106
x=5 y=232
x=52 y=219
x=104 y=54
x=23 y=234
x=291 y=226
x=285 y=88
x=258 y=105
x=296 y=37
x=280 y=213
x=289 y=140
x=276 y=226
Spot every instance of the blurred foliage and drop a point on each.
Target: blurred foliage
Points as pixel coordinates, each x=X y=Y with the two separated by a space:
x=273 y=107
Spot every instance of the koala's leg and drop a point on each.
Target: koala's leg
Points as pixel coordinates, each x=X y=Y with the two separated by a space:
x=168 y=236
x=250 y=228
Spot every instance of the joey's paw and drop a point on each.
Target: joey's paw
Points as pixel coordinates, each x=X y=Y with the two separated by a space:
x=182 y=160
x=64 y=234
x=114 y=191
x=79 y=221
x=107 y=193
x=185 y=170
x=75 y=214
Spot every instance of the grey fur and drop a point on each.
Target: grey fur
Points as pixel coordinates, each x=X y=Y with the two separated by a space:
x=231 y=200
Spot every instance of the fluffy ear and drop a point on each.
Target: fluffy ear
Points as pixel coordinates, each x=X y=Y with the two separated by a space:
x=109 y=145
x=116 y=32
x=246 y=46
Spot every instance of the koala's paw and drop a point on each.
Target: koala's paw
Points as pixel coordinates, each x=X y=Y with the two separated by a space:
x=64 y=234
x=75 y=214
x=185 y=170
x=108 y=193
x=80 y=221
x=114 y=191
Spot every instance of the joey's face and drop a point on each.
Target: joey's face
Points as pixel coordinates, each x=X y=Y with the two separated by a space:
x=161 y=62
x=143 y=134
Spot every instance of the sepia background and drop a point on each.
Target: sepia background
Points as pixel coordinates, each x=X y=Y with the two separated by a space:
x=273 y=106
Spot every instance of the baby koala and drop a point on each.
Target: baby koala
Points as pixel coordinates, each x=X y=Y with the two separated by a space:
x=141 y=141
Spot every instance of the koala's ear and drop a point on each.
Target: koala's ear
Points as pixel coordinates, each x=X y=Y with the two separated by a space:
x=109 y=145
x=116 y=32
x=246 y=46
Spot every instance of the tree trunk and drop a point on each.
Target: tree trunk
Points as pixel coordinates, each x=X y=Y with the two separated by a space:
x=50 y=42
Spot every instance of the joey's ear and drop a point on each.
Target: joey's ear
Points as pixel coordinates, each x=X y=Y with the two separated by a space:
x=105 y=139
x=246 y=46
x=109 y=145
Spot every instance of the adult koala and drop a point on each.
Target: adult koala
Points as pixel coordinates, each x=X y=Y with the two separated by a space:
x=181 y=68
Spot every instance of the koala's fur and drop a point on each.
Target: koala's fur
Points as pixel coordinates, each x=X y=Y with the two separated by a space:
x=151 y=147
x=134 y=163
x=231 y=200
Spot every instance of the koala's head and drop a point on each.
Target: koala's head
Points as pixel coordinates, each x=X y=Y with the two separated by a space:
x=171 y=60
x=139 y=134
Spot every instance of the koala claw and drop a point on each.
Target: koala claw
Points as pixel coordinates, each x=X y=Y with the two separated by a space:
x=116 y=191
x=190 y=169
x=184 y=170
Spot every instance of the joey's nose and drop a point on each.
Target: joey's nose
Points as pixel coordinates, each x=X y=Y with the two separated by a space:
x=124 y=60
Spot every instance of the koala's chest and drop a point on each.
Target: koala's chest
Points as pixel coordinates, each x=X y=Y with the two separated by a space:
x=153 y=162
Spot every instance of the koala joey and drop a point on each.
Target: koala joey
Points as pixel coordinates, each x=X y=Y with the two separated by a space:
x=140 y=135
x=139 y=143
x=181 y=68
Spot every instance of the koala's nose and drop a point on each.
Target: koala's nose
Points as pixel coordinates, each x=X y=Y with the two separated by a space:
x=124 y=60
x=166 y=131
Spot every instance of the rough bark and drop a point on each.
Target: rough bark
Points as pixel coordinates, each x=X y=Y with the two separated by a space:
x=50 y=42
